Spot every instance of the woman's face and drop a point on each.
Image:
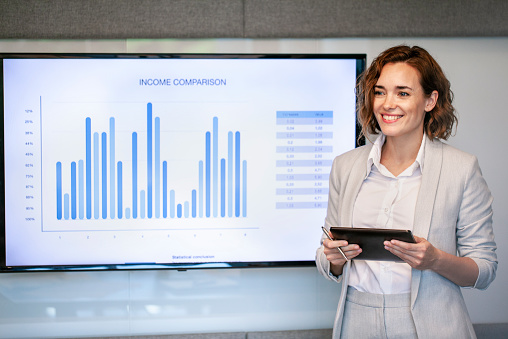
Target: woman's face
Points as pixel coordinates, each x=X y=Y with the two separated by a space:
x=400 y=103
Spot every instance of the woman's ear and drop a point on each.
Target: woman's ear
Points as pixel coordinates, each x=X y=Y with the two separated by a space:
x=431 y=101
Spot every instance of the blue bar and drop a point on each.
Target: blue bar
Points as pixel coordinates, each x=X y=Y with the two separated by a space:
x=112 y=170
x=244 y=193
x=134 y=175
x=149 y=156
x=304 y=163
x=73 y=190
x=172 y=203
x=304 y=114
x=157 y=166
x=127 y=213
x=88 y=168
x=104 y=176
x=142 y=207
x=59 y=190
x=207 y=174
x=302 y=177
x=237 y=174
x=304 y=149
x=96 y=175
x=120 y=188
x=305 y=135
x=215 y=165
x=66 y=206
x=179 y=210
x=302 y=191
x=200 y=188
x=186 y=209
x=301 y=205
x=223 y=187
x=164 y=189
x=194 y=203
x=230 y=174
x=81 y=181
x=305 y=121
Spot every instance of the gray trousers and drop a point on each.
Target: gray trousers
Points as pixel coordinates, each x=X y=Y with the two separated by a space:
x=368 y=315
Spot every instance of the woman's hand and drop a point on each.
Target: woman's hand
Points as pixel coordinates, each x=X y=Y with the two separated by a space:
x=463 y=271
x=334 y=256
x=421 y=255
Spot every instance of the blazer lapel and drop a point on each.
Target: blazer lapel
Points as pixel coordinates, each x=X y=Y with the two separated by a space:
x=354 y=183
x=425 y=202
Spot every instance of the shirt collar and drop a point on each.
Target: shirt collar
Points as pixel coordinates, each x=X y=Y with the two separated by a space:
x=375 y=157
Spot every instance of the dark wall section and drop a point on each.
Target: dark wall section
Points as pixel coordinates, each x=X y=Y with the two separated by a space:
x=152 y=19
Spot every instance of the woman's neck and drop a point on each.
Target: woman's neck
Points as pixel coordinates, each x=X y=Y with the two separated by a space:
x=398 y=154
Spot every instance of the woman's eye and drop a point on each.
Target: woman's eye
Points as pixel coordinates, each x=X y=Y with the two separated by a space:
x=404 y=94
x=378 y=93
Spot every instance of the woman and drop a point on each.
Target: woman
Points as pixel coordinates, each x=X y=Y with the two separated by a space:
x=408 y=179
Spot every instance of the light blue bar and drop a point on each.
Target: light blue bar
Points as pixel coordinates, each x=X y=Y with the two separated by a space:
x=193 y=203
x=302 y=191
x=215 y=165
x=201 y=188
x=134 y=175
x=120 y=189
x=304 y=114
x=186 y=209
x=127 y=213
x=164 y=189
x=149 y=156
x=142 y=206
x=244 y=193
x=104 y=176
x=73 y=190
x=207 y=174
x=112 y=170
x=230 y=174
x=301 y=205
x=157 y=166
x=304 y=149
x=81 y=184
x=304 y=135
x=305 y=121
x=59 y=190
x=223 y=187
x=96 y=176
x=237 y=174
x=88 y=168
x=302 y=177
x=66 y=206
x=179 y=210
x=172 y=203
x=304 y=163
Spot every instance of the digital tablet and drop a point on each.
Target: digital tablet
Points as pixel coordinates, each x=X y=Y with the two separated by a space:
x=371 y=241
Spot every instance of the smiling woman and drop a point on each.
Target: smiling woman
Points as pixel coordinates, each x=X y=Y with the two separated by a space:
x=408 y=179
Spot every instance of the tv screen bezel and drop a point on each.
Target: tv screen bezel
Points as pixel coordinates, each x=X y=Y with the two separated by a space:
x=359 y=141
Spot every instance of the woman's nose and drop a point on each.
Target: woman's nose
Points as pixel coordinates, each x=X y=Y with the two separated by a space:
x=389 y=102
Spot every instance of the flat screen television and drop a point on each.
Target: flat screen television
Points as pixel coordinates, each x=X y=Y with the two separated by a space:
x=169 y=161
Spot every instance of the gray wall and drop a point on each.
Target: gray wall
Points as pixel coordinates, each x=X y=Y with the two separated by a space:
x=154 y=19
x=470 y=42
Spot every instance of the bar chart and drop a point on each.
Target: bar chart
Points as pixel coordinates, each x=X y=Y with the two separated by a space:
x=98 y=181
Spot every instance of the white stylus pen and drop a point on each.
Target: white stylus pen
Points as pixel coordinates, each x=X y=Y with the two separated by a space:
x=330 y=237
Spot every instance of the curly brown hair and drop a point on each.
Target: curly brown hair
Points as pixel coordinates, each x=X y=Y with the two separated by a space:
x=439 y=122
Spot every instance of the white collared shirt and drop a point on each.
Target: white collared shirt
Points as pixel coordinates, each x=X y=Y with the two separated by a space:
x=385 y=201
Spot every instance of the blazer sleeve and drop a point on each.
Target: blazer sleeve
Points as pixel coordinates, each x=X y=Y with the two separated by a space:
x=332 y=219
x=475 y=236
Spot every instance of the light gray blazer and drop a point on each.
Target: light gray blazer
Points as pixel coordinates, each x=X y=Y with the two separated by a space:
x=453 y=212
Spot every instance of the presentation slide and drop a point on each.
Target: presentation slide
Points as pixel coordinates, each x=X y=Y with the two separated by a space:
x=151 y=160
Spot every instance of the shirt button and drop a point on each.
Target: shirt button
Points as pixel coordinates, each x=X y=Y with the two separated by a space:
x=386 y=210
